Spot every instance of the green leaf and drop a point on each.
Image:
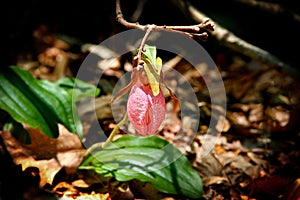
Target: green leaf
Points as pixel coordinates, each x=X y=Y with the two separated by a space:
x=77 y=88
x=153 y=66
x=39 y=103
x=149 y=159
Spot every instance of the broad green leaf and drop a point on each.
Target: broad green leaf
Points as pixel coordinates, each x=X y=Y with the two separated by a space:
x=153 y=66
x=38 y=103
x=63 y=99
x=22 y=108
x=148 y=159
x=77 y=88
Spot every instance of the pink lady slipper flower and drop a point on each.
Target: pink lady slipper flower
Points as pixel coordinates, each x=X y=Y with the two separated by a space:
x=146 y=106
x=145 y=111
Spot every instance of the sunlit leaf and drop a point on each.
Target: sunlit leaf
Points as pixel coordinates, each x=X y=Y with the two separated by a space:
x=77 y=88
x=148 y=159
x=40 y=103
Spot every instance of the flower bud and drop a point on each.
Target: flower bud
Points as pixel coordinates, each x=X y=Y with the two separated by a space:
x=145 y=111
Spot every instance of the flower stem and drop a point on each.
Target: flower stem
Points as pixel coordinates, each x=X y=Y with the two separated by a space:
x=115 y=131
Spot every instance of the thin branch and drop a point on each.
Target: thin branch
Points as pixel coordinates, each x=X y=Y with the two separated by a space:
x=121 y=19
x=138 y=57
x=192 y=31
x=233 y=42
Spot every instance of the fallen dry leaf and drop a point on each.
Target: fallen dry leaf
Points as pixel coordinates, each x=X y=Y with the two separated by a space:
x=46 y=154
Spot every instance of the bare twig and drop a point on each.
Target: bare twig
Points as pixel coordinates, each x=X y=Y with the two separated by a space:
x=213 y=153
x=121 y=19
x=192 y=31
x=233 y=42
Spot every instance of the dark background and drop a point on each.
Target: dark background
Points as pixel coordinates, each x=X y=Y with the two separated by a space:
x=93 y=21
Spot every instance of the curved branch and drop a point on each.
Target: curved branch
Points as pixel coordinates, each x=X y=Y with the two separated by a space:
x=193 y=31
x=233 y=42
x=121 y=20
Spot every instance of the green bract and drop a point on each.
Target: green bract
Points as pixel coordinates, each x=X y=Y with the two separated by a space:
x=153 y=66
